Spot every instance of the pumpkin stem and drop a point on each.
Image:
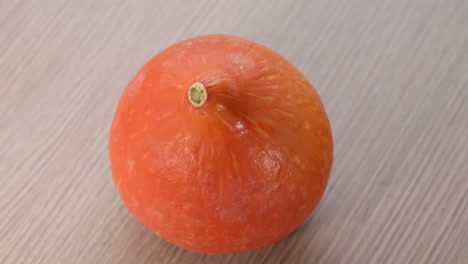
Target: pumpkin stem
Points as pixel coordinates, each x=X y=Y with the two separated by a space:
x=197 y=94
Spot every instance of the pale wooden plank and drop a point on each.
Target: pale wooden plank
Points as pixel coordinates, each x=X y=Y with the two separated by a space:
x=393 y=76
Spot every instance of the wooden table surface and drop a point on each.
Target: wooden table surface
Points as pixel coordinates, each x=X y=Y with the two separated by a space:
x=393 y=75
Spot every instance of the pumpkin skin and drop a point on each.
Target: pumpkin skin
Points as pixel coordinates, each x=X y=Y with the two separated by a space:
x=239 y=172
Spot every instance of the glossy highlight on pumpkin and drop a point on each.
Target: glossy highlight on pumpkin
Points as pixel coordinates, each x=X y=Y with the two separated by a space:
x=220 y=145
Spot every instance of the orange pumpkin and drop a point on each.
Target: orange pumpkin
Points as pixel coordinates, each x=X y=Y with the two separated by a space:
x=220 y=145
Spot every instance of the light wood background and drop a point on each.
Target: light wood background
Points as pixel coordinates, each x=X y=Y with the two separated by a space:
x=393 y=75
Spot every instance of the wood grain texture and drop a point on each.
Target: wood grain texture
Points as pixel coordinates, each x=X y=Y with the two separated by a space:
x=393 y=75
